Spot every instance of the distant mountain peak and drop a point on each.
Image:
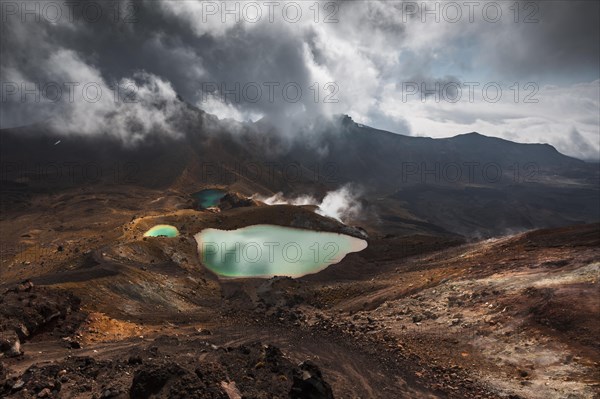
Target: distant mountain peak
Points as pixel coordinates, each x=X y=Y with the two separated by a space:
x=471 y=134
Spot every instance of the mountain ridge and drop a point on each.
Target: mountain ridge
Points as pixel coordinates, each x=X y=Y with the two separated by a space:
x=397 y=175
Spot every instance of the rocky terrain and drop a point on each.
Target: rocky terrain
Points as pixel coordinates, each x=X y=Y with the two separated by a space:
x=155 y=154
x=433 y=307
x=473 y=185
x=91 y=308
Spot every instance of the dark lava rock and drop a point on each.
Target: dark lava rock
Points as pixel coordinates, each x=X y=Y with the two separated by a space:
x=253 y=370
x=235 y=200
x=40 y=382
x=309 y=383
x=166 y=340
x=25 y=286
x=135 y=360
x=26 y=310
x=151 y=380
x=10 y=345
x=174 y=381
x=3 y=373
x=280 y=292
x=75 y=345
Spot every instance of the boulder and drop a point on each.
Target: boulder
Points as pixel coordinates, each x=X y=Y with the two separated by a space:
x=308 y=383
x=10 y=345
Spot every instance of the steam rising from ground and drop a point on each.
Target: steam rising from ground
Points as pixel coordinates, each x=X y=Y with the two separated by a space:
x=341 y=204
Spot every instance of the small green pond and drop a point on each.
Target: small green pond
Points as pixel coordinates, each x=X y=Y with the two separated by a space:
x=209 y=197
x=268 y=250
x=162 y=230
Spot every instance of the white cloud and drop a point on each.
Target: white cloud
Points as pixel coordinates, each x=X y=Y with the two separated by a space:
x=367 y=51
x=214 y=105
x=558 y=112
x=145 y=104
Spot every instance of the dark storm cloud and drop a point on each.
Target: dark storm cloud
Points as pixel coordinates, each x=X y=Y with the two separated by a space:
x=561 y=39
x=160 y=43
x=372 y=49
x=565 y=39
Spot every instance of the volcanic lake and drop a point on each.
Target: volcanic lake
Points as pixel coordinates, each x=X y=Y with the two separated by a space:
x=268 y=250
x=209 y=197
x=162 y=230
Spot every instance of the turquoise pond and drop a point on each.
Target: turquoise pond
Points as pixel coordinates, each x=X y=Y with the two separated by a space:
x=209 y=197
x=268 y=250
x=162 y=230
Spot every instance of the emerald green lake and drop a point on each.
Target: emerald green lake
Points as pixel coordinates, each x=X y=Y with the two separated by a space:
x=209 y=197
x=268 y=250
x=161 y=230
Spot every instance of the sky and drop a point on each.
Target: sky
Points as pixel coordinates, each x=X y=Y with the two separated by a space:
x=526 y=71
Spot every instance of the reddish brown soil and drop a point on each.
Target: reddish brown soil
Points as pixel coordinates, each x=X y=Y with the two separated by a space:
x=415 y=316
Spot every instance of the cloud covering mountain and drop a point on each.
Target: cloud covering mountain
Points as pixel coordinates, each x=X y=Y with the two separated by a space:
x=525 y=71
